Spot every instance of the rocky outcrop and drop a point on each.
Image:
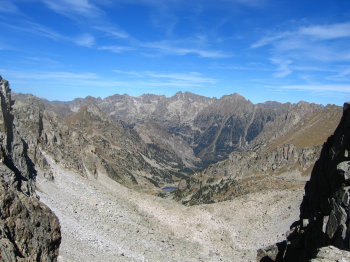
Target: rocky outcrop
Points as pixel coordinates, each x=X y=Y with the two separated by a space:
x=13 y=148
x=324 y=212
x=331 y=254
x=29 y=231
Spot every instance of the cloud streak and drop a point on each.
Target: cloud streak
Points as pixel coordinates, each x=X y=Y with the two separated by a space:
x=72 y=7
x=171 y=79
x=48 y=75
x=8 y=7
x=190 y=77
x=86 y=40
x=116 y=49
x=344 y=88
x=307 y=33
x=97 y=26
x=167 y=47
x=35 y=28
x=326 y=45
x=326 y=32
x=284 y=67
x=112 y=31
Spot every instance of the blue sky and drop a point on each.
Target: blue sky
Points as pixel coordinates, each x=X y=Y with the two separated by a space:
x=263 y=49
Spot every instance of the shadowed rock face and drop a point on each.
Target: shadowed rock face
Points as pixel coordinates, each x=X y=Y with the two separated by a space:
x=325 y=210
x=29 y=231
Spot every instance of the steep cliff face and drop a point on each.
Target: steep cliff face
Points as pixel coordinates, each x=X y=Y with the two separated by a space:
x=29 y=231
x=324 y=212
x=283 y=162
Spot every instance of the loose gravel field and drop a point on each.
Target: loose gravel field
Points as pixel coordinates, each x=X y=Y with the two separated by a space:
x=104 y=221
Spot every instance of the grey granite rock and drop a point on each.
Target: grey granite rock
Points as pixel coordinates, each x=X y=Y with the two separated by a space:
x=29 y=231
x=331 y=254
x=325 y=204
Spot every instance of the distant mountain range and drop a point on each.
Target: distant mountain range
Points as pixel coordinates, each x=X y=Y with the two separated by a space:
x=152 y=141
x=190 y=148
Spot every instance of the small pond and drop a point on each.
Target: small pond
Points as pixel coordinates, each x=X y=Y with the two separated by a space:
x=169 y=189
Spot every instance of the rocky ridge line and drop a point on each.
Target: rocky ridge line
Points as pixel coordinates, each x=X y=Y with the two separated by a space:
x=151 y=141
x=29 y=231
x=213 y=128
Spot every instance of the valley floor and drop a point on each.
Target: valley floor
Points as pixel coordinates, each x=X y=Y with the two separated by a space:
x=104 y=221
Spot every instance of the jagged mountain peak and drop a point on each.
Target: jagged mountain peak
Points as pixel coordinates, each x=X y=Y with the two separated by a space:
x=272 y=104
x=187 y=95
x=88 y=113
x=151 y=96
x=116 y=97
x=234 y=96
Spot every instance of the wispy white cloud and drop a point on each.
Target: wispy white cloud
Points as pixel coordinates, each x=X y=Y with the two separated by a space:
x=97 y=23
x=326 y=45
x=112 y=31
x=130 y=73
x=115 y=48
x=309 y=38
x=86 y=40
x=326 y=32
x=39 y=61
x=341 y=75
x=168 y=48
x=250 y=3
x=144 y=78
x=173 y=79
x=283 y=67
x=177 y=3
x=269 y=39
x=168 y=83
x=4 y=46
x=72 y=7
x=296 y=38
x=7 y=6
x=49 y=75
x=35 y=28
x=343 y=88
x=191 y=77
x=85 y=83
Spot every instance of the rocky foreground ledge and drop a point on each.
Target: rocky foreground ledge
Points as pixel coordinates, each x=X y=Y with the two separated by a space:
x=323 y=231
x=29 y=230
